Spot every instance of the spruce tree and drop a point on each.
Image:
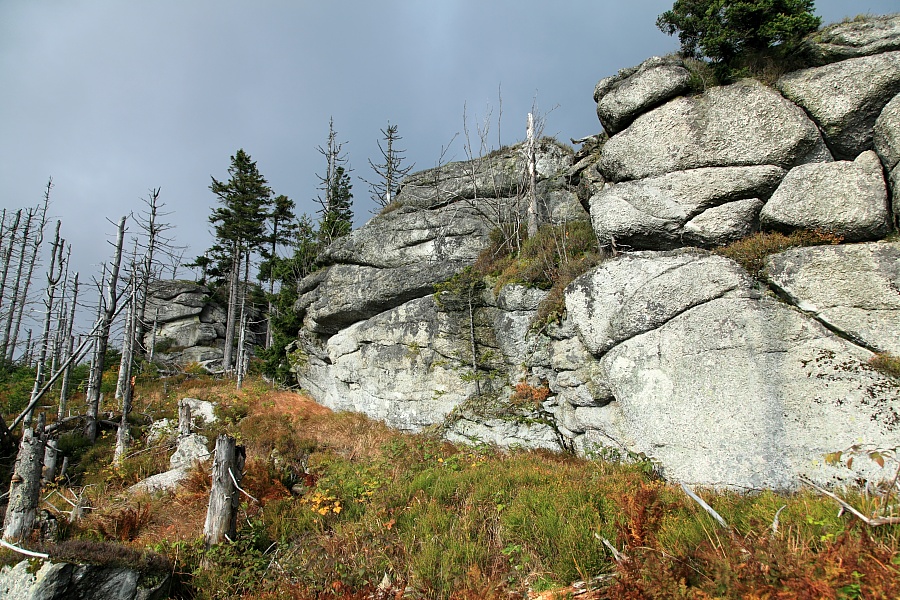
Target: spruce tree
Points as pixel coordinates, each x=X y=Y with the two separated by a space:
x=239 y=224
x=336 y=200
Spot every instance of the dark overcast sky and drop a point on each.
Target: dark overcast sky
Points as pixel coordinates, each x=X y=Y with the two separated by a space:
x=112 y=98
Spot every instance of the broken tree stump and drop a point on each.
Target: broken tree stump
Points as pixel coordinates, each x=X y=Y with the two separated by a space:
x=224 y=497
x=25 y=487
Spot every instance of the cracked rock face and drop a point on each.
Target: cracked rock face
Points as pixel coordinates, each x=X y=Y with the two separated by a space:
x=853 y=289
x=846 y=98
x=653 y=213
x=736 y=125
x=720 y=384
x=852 y=39
x=845 y=198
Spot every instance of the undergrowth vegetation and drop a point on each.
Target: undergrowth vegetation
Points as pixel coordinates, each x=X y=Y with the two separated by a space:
x=337 y=505
x=751 y=252
x=549 y=260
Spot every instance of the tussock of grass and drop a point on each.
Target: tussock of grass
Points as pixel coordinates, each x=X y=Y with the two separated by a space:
x=886 y=363
x=751 y=252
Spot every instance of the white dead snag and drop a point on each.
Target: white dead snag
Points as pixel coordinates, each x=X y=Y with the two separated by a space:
x=531 y=166
x=51 y=455
x=108 y=313
x=25 y=487
x=184 y=419
x=64 y=387
x=123 y=437
x=224 y=497
x=54 y=273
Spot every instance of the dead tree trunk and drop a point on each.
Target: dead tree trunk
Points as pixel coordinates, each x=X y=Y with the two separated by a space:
x=25 y=487
x=184 y=419
x=110 y=301
x=233 y=291
x=53 y=275
x=70 y=343
x=35 y=250
x=123 y=438
x=224 y=497
x=7 y=252
x=50 y=459
x=8 y=348
x=530 y=161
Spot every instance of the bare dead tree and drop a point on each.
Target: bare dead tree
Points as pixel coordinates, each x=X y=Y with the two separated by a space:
x=34 y=251
x=123 y=437
x=391 y=171
x=13 y=304
x=7 y=247
x=109 y=310
x=67 y=354
x=54 y=273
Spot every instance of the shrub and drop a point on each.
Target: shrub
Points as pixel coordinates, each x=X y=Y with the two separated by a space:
x=886 y=363
x=731 y=31
x=751 y=252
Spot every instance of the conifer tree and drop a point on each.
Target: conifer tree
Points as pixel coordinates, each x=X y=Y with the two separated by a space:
x=239 y=224
x=336 y=200
x=389 y=172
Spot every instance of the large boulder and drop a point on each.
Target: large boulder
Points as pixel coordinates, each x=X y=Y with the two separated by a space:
x=624 y=96
x=653 y=212
x=184 y=333
x=499 y=174
x=736 y=125
x=846 y=198
x=862 y=36
x=846 y=98
x=724 y=386
x=852 y=288
x=886 y=140
x=48 y=580
x=402 y=366
x=440 y=227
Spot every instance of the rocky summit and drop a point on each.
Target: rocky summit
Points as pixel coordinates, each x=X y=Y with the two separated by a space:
x=665 y=349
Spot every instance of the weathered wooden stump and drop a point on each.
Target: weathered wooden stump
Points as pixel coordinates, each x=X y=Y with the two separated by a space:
x=224 y=497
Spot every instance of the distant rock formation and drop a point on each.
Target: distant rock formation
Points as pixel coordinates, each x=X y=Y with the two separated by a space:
x=190 y=324
x=723 y=377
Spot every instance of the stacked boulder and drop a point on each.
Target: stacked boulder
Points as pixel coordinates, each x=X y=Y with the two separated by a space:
x=188 y=324
x=723 y=377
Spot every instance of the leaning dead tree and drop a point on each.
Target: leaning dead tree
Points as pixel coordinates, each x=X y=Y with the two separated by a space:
x=25 y=487
x=224 y=497
x=109 y=302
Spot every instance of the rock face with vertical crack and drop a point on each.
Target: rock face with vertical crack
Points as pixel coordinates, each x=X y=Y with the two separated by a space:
x=852 y=288
x=721 y=384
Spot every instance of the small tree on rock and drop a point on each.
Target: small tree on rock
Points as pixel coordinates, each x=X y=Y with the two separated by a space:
x=724 y=30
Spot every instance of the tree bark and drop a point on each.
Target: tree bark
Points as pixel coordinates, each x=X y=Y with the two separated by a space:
x=25 y=488
x=10 y=349
x=184 y=419
x=93 y=401
x=531 y=161
x=224 y=497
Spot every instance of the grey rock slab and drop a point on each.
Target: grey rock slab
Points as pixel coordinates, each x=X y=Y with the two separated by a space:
x=651 y=213
x=635 y=293
x=168 y=289
x=203 y=412
x=191 y=448
x=496 y=175
x=848 y=198
x=895 y=194
x=621 y=98
x=749 y=394
x=886 y=135
x=506 y=433
x=721 y=225
x=410 y=236
x=167 y=481
x=165 y=311
x=402 y=366
x=185 y=332
x=67 y=581
x=852 y=288
x=741 y=124
x=851 y=39
x=200 y=354
x=351 y=293
x=845 y=98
